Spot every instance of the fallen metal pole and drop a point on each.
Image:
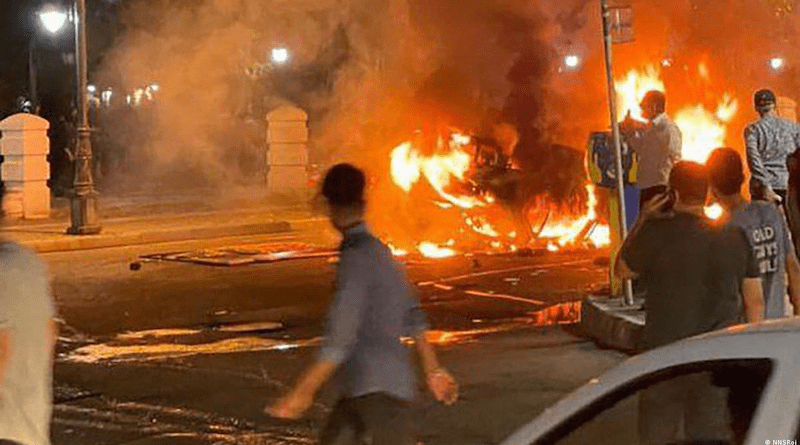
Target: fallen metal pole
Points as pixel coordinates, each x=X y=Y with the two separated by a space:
x=544 y=223
x=612 y=106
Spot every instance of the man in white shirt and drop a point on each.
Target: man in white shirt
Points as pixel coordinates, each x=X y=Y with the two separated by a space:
x=658 y=147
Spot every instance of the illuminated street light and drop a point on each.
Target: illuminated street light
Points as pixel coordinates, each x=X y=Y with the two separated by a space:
x=572 y=61
x=280 y=55
x=776 y=63
x=53 y=19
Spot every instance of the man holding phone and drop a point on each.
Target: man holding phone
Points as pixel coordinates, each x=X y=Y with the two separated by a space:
x=696 y=276
x=658 y=147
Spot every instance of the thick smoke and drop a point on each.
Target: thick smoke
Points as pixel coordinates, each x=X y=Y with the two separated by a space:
x=365 y=70
x=371 y=71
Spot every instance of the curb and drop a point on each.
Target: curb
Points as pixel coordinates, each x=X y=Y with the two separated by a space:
x=110 y=239
x=613 y=325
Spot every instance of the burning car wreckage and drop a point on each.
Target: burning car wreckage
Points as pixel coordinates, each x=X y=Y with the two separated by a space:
x=499 y=206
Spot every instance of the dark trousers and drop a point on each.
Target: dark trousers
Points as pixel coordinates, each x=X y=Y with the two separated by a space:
x=649 y=193
x=375 y=419
x=684 y=409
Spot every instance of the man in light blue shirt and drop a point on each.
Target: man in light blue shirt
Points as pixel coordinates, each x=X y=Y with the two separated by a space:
x=373 y=308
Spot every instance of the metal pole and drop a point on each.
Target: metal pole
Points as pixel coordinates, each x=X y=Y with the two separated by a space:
x=83 y=208
x=612 y=105
x=32 y=75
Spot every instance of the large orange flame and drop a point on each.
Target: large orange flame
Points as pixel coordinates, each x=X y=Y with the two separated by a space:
x=632 y=88
x=703 y=130
x=446 y=171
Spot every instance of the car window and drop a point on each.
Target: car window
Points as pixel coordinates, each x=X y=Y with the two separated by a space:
x=708 y=403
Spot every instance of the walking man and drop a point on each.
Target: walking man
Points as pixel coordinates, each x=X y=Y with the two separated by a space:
x=697 y=278
x=27 y=343
x=765 y=228
x=373 y=307
x=658 y=147
x=769 y=142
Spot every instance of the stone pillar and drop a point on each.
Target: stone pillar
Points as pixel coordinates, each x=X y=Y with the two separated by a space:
x=287 y=158
x=25 y=170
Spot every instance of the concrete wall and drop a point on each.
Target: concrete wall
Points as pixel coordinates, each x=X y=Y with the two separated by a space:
x=25 y=170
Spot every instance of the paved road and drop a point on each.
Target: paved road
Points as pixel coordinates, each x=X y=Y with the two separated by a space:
x=192 y=378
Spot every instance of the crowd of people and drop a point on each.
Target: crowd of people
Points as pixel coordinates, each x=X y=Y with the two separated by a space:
x=699 y=275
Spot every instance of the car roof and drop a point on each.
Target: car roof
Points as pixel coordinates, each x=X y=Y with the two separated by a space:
x=781 y=325
x=774 y=339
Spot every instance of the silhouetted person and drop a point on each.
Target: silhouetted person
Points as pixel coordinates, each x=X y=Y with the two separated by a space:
x=373 y=307
x=27 y=342
x=698 y=278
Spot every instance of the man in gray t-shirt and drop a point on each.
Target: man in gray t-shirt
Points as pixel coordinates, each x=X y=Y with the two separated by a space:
x=765 y=229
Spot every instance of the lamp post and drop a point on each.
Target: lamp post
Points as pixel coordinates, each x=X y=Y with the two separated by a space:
x=83 y=198
x=608 y=41
x=51 y=20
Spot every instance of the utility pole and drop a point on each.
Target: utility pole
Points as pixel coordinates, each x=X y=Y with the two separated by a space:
x=83 y=202
x=612 y=105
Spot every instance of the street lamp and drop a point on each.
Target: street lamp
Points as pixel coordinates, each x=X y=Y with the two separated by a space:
x=53 y=19
x=572 y=61
x=83 y=198
x=280 y=55
x=776 y=63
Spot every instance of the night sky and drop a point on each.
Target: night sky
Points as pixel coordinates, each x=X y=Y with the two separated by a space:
x=56 y=78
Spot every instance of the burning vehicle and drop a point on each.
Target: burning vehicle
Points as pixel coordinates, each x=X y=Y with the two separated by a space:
x=484 y=199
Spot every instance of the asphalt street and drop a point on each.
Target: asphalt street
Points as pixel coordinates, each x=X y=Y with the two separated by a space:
x=173 y=352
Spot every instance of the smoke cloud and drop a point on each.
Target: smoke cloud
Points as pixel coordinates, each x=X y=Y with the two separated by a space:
x=370 y=71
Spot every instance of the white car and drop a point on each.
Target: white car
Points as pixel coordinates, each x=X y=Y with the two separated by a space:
x=759 y=363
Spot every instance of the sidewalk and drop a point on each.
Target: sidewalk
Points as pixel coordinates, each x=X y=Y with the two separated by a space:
x=612 y=324
x=50 y=235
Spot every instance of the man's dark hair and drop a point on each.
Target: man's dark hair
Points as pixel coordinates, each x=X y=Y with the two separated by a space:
x=657 y=99
x=764 y=99
x=725 y=171
x=344 y=185
x=690 y=180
